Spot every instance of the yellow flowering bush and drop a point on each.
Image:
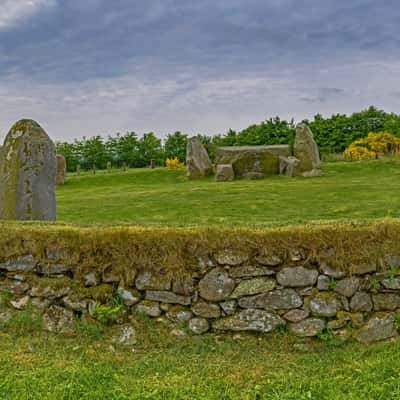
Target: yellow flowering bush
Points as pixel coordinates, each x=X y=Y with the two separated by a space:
x=174 y=163
x=373 y=146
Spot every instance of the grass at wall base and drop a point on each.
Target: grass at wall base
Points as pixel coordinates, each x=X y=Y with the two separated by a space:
x=162 y=197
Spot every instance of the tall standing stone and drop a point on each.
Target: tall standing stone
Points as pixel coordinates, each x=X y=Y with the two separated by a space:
x=198 y=164
x=61 y=169
x=28 y=174
x=306 y=151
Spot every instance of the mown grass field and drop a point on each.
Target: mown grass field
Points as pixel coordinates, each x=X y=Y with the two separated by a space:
x=347 y=190
x=160 y=367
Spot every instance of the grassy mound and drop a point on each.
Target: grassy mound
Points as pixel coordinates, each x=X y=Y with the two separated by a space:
x=161 y=197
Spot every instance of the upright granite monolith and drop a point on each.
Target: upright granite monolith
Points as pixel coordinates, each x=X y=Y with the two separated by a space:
x=61 y=169
x=198 y=164
x=306 y=151
x=27 y=174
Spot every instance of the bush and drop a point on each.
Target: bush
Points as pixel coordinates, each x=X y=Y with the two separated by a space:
x=373 y=146
x=174 y=163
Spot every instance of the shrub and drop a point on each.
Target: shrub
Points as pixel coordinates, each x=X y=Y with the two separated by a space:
x=174 y=163
x=373 y=146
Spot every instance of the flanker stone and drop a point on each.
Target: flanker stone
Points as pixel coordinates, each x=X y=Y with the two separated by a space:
x=206 y=310
x=250 y=271
x=288 y=166
x=386 y=301
x=21 y=264
x=198 y=164
x=254 y=161
x=59 y=320
x=250 y=320
x=231 y=257
x=224 y=172
x=347 y=287
x=28 y=174
x=361 y=301
x=325 y=304
x=199 y=325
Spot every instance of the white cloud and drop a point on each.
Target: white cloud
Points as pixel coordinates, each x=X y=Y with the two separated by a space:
x=13 y=11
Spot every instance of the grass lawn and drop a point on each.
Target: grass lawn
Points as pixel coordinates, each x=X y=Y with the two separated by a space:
x=347 y=190
x=39 y=366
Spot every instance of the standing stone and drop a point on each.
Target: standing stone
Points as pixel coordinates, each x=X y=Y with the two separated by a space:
x=198 y=164
x=109 y=165
x=78 y=169
x=61 y=169
x=224 y=173
x=28 y=174
x=306 y=150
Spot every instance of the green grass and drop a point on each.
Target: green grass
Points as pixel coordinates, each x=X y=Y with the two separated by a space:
x=255 y=367
x=347 y=190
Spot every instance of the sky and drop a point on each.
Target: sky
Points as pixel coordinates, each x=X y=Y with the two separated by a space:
x=88 y=67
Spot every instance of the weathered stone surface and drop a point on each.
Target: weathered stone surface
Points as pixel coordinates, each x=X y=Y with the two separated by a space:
x=245 y=160
x=253 y=286
x=362 y=269
x=53 y=269
x=379 y=327
x=129 y=297
x=217 y=285
x=206 y=310
x=199 y=325
x=279 y=299
x=91 y=279
x=231 y=257
x=347 y=287
x=167 y=297
x=324 y=305
x=297 y=277
x=28 y=174
x=306 y=150
x=328 y=270
x=198 y=164
x=21 y=303
x=391 y=283
x=250 y=320
x=184 y=286
x=386 y=301
x=49 y=292
x=336 y=324
x=296 y=315
x=21 y=264
x=361 y=301
x=356 y=318
x=147 y=280
x=323 y=283
x=224 y=172
x=250 y=271
x=74 y=303
x=41 y=303
x=61 y=169
x=59 y=320
x=269 y=260
x=229 y=307
x=288 y=166
x=150 y=308
x=125 y=335
x=179 y=313
x=308 y=327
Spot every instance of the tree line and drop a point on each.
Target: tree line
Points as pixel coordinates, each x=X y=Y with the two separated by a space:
x=332 y=134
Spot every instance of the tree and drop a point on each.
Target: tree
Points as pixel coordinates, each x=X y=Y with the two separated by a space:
x=149 y=148
x=175 y=146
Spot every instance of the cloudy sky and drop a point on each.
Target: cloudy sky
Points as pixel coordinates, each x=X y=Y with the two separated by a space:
x=86 y=67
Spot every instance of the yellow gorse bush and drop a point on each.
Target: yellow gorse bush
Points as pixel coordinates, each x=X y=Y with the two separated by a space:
x=174 y=163
x=373 y=146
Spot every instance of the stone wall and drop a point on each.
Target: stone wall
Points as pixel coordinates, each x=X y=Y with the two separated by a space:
x=307 y=282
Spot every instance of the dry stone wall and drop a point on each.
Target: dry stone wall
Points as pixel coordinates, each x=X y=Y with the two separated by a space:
x=227 y=290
